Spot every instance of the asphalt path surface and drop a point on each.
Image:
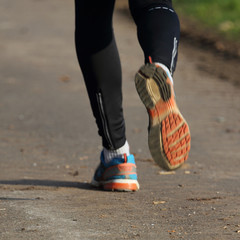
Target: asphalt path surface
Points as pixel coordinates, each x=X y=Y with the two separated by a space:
x=49 y=147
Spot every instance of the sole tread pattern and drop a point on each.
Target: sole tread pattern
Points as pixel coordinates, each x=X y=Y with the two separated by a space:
x=175 y=150
x=169 y=135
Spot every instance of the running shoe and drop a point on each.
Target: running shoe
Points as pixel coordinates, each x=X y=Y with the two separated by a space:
x=168 y=132
x=118 y=175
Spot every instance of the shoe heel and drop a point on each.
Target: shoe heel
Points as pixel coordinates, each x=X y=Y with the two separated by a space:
x=141 y=80
x=151 y=84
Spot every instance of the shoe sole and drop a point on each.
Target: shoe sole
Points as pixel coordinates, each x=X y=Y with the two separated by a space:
x=168 y=132
x=120 y=185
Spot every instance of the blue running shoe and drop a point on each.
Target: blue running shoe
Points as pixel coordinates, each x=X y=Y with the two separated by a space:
x=118 y=175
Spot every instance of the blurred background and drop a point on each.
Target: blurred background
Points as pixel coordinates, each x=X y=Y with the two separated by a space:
x=222 y=16
x=213 y=23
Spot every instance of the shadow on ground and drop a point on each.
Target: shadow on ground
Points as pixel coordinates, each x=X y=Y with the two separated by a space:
x=47 y=183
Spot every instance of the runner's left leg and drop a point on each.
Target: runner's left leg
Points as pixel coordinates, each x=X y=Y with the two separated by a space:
x=100 y=64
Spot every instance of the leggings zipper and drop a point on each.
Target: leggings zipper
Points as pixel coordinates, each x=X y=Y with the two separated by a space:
x=104 y=120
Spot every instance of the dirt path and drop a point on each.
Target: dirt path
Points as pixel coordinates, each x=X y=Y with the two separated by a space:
x=49 y=147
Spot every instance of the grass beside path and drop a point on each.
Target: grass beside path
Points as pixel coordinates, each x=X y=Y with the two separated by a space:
x=221 y=15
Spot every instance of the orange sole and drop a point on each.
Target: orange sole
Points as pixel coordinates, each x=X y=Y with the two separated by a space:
x=169 y=135
x=123 y=187
x=175 y=139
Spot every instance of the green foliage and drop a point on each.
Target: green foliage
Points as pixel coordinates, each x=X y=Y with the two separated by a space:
x=222 y=15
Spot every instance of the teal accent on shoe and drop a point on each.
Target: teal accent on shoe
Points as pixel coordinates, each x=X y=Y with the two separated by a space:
x=118 y=172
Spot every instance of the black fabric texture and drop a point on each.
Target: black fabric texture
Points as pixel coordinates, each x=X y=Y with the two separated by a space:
x=157 y=28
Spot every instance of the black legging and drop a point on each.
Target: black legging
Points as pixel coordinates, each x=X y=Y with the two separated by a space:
x=158 y=34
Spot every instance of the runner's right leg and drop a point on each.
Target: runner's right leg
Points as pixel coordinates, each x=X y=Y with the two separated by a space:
x=158 y=34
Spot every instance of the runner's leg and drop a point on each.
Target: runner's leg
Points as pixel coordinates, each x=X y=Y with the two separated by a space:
x=158 y=33
x=99 y=61
x=158 y=30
